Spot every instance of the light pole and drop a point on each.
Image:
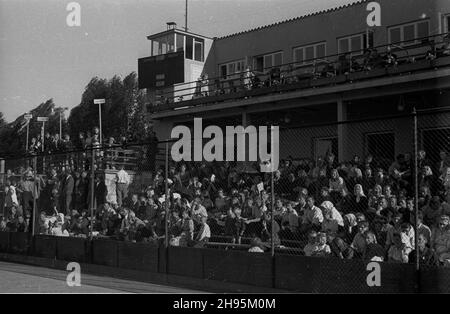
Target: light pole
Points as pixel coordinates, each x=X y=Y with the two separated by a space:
x=61 y=111
x=43 y=120
x=28 y=117
x=100 y=102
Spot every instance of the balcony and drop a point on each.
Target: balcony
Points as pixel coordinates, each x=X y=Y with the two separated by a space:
x=387 y=61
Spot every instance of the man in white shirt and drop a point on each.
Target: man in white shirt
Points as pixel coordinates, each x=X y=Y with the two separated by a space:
x=198 y=210
x=312 y=216
x=122 y=182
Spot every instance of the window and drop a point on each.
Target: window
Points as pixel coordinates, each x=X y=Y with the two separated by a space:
x=231 y=68
x=408 y=34
x=381 y=146
x=446 y=23
x=306 y=54
x=189 y=47
x=199 y=51
x=435 y=140
x=180 y=42
x=324 y=146
x=355 y=44
x=268 y=61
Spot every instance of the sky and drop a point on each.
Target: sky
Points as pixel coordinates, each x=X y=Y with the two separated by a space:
x=41 y=57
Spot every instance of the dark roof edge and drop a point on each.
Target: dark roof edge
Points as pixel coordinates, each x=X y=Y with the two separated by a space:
x=296 y=18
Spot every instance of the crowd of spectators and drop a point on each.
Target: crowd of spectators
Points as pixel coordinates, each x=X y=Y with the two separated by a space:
x=76 y=154
x=370 y=59
x=51 y=144
x=348 y=210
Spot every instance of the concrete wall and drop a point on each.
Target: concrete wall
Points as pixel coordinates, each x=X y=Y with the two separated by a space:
x=284 y=272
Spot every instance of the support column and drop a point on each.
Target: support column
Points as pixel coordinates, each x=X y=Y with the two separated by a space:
x=342 y=130
x=245 y=137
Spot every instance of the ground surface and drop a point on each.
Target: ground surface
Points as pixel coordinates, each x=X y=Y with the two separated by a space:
x=18 y=278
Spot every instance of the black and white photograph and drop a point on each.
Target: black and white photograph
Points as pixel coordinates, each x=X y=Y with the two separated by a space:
x=224 y=155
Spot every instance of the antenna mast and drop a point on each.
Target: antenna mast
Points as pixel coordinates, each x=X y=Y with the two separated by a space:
x=186 y=17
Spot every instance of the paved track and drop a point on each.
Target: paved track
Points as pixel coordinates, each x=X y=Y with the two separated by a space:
x=18 y=278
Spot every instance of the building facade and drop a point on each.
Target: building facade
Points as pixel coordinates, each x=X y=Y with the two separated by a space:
x=311 y=75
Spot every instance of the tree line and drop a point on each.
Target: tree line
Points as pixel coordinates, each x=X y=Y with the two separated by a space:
x=123 y=114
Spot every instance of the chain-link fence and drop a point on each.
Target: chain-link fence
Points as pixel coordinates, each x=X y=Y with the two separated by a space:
x=366 y=189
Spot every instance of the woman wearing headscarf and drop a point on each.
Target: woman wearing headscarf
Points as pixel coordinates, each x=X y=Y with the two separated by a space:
x=332 y=218
x=350 y=229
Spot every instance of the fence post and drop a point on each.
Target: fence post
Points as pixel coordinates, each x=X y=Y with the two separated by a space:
x=3 y=181
x=416 y=200
x=272 y=244
x=35 y=187
x=91 y=226
x=166 y=242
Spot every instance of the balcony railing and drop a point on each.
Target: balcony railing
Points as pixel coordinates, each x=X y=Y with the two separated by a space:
x=386 y=60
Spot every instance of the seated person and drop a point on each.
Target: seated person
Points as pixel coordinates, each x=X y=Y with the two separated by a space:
x=355 y=66
x=256 y=246
x=339 y=248
x=373 y=250
x=390 y=59
x=427 y=256
x=311 y=246
x=322 y=248
x=398 y=251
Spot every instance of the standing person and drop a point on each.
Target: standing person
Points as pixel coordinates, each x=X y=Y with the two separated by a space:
x=10 y=199
x=27 y=189
x=205 y=85
x=204 y=234
x=187 y=229
x=81 y=192
x=100 y=191
x=247 y=78
x=122 y=182
x=67 y=191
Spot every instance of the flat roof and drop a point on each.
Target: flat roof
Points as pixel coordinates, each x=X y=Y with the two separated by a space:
x=175 y=30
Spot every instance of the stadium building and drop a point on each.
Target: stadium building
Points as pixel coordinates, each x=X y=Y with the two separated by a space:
x=319 y=69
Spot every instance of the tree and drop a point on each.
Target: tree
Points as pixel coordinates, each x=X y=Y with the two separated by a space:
x=13 y=135
x=123 y=114
x=2 y=120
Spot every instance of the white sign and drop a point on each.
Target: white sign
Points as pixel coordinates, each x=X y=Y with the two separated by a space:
x=42 y=119
x=28 y=116
x=99 y=101
x=260 y=187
